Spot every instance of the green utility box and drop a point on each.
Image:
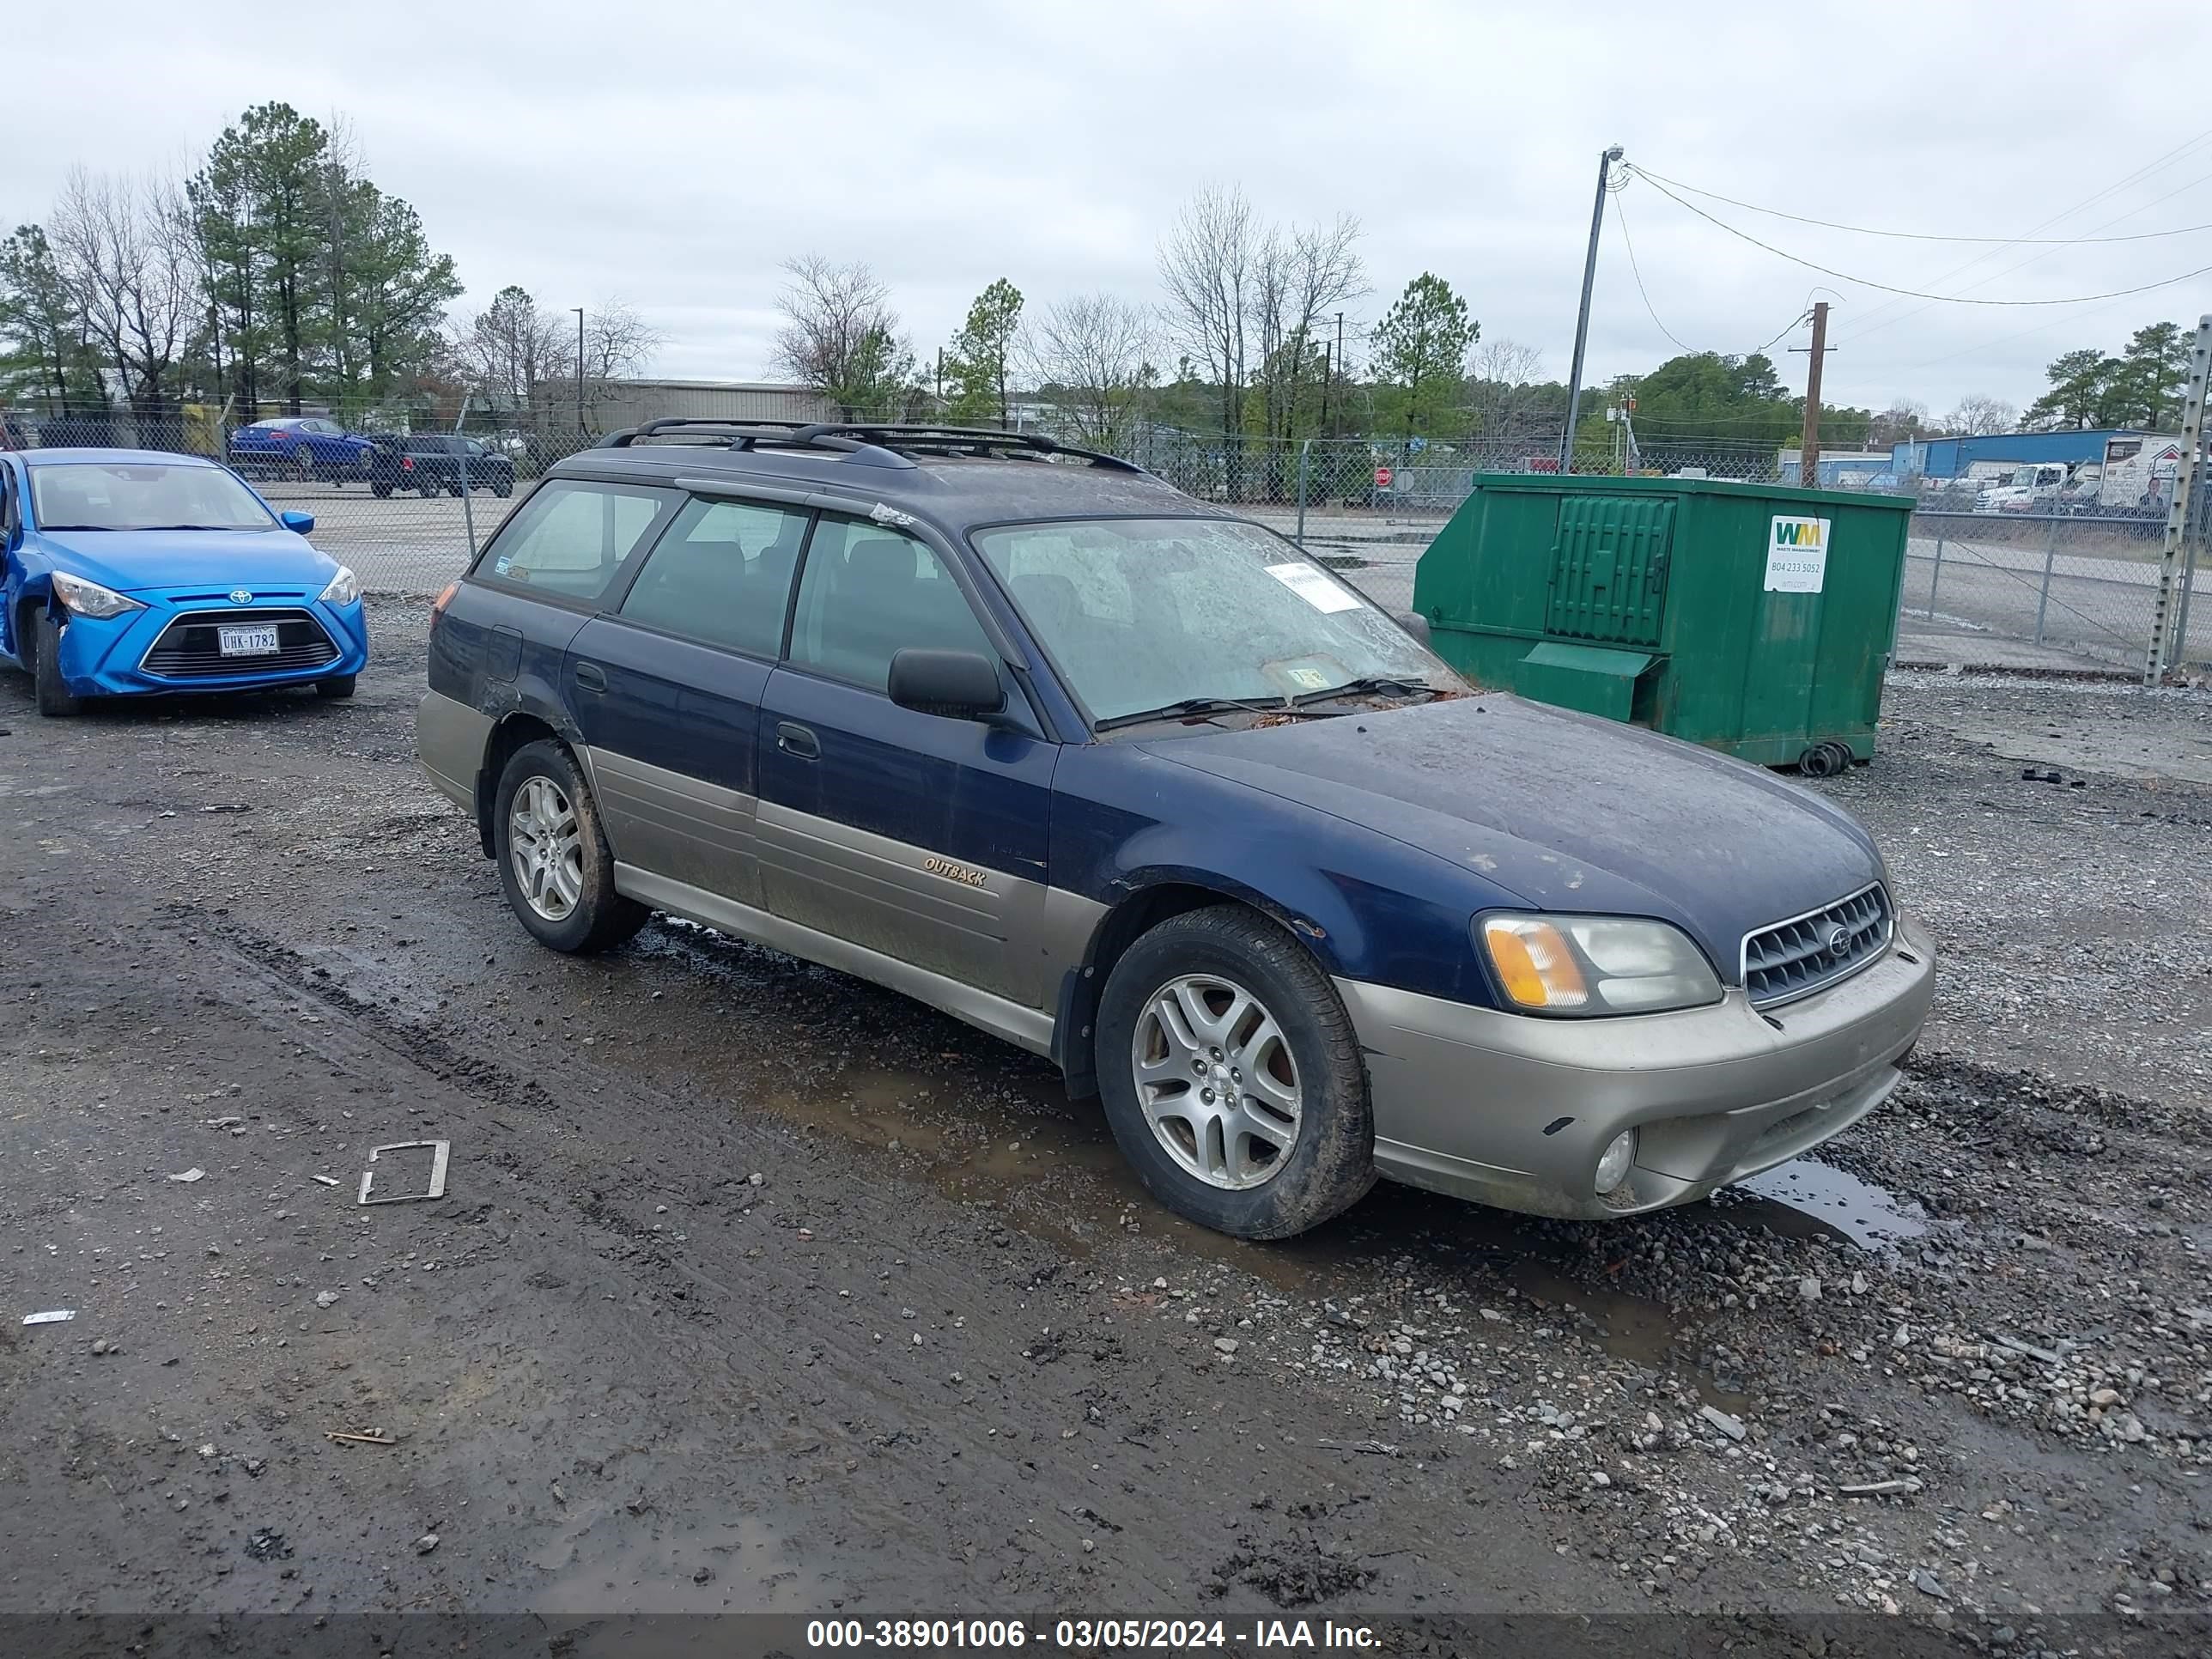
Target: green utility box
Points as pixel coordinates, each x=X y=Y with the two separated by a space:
x=1752 y=619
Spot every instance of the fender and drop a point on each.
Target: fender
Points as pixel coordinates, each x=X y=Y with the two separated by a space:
x=1146 y=839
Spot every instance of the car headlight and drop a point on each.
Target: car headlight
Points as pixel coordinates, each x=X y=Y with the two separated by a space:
x=1594 y=965
x=344 y=588
x=84 y=598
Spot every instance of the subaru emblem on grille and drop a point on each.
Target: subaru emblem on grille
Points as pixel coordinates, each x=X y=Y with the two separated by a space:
x=1838 y=940
x=242 y=596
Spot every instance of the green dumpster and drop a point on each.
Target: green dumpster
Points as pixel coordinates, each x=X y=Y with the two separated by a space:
x=1753 y=618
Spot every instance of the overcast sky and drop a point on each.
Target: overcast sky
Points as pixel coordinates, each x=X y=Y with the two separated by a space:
x=674 y=155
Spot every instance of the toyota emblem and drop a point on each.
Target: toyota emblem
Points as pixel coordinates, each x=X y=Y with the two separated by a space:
x=242 y=596
x=1838 y=940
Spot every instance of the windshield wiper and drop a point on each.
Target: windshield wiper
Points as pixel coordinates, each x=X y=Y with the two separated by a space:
x=1196 y=705
x=1383 y=684
x=76 y=527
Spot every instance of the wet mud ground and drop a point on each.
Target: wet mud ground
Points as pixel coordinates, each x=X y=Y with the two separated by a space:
x=757 y=1288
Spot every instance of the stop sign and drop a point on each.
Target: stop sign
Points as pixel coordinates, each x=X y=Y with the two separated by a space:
x=1381 y=478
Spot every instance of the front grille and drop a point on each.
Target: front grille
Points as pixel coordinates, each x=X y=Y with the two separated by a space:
x=190 y=649
x=1808 y=953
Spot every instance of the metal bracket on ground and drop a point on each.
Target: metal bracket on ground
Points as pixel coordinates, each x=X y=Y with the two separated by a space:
x=439 y=1151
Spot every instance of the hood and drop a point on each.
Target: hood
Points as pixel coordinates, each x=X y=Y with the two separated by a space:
x=132 y=559
x=1570 y=812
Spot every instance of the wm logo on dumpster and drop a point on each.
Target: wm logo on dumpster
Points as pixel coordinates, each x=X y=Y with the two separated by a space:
x=1797 y=556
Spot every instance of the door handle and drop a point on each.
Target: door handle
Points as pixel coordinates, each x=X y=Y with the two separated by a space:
x=797 y=740
x=591 y=677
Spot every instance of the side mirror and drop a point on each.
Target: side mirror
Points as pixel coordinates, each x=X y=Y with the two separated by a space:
x=298 y=523
x=961 y=685
x=1414 y=623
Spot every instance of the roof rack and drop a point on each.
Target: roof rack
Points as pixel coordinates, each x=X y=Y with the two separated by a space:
x=927 y=438
x=747 y=435
x=869 y=443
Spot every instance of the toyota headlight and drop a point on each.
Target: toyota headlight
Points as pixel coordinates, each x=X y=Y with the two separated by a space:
x=344 y=588
x=84 y=598
x=1593 y=965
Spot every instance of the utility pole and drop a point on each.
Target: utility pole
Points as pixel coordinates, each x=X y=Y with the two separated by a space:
x=1809 y=446
x=2177 y=510
x=1605 y=162
x=583 y=429
x=938 y=386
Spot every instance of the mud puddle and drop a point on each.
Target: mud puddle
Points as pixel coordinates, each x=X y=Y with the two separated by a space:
x=619 y=1564
x=1059 y=1177
x=1804 y=1198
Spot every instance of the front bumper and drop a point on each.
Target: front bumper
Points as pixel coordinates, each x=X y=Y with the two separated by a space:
x=108 y=657
x=1513 y=1111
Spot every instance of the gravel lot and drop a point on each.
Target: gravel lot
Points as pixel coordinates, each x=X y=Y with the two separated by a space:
x=758 y=1288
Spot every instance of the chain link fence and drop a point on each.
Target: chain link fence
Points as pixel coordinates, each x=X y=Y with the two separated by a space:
x=405 y=496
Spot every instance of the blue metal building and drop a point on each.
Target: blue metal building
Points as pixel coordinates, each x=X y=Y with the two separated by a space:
x=1949 y=458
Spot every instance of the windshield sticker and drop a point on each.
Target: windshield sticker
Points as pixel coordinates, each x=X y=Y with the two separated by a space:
x=882 y=515
x=1314 y=586
x=1311 y=678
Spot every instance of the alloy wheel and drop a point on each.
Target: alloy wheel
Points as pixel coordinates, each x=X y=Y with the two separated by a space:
x=545 y=848
x=1216 y=1081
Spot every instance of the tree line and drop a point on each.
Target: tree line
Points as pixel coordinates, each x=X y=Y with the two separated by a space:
x=1249 y=338
x=275 y=275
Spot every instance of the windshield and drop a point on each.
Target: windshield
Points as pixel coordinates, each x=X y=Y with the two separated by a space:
x=1141 y=614
x=130 y=495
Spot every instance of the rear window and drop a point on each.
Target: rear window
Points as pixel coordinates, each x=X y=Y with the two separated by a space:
x=573 y=537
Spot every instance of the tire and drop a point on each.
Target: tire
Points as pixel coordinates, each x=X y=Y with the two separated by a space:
x=1260 y=1187
x=54 y=697
x=303 y=463
x=503 y=487
x=337 y=686
x=595 y=917
x=426 y=490
x=381 y=490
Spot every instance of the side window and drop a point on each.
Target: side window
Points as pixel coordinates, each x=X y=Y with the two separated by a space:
x=867 y=593
x=571 y=537
x=721 y=574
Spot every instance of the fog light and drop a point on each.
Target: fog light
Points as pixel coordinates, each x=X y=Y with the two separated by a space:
x=1612 y=1165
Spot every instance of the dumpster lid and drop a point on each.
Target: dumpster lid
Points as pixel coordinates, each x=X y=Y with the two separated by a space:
x=1590 y=660
x=1608 y=484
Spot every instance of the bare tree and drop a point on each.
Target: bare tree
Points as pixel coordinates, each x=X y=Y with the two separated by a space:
x=617 y=341
x=1208 y=262
x=841 y=335
x=1299 y=276
x=125 y=252
x=1501 y=388
x=509 y=348
x=1903 y=419
x=1979 y=415
x=1092 y=357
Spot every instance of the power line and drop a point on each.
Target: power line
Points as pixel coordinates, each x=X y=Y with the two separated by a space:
x=1779 y=333
x=2017 y=264
x=1868 y=322
x=1912 y=292
x=1620 y=212
x=1923 y=236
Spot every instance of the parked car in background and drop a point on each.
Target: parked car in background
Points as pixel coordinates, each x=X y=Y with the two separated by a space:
x=434 y=463
x=1029 y=735
x=133 y=571
x=301 y=446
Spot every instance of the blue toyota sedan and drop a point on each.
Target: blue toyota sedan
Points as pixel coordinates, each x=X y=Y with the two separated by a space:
x=132 y=571
x=1028 y=735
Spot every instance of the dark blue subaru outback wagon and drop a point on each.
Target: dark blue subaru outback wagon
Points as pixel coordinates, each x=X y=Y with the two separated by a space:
x=1029 y=735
